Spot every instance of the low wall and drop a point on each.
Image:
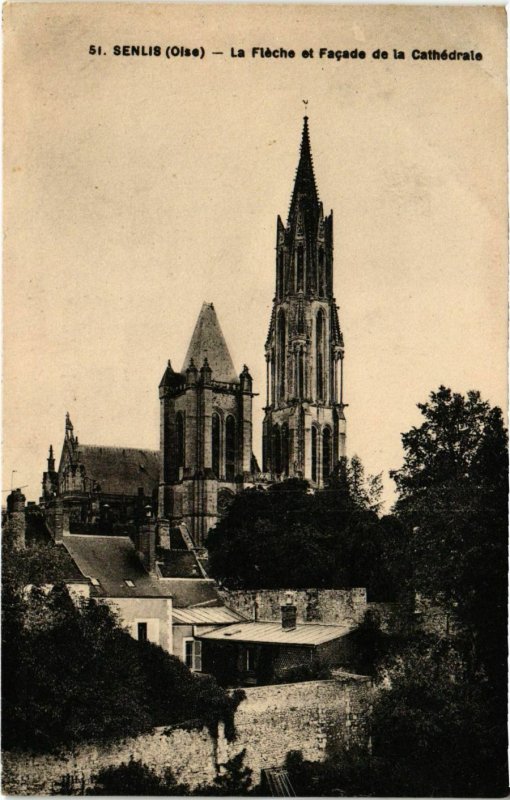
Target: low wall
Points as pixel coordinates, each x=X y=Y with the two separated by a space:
x=270 y=722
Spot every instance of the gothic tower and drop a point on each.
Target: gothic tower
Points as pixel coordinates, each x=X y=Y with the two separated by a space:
x=304 y=423
x=206 y=432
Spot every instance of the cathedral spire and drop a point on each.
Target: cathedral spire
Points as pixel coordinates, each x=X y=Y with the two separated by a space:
x=304 y=184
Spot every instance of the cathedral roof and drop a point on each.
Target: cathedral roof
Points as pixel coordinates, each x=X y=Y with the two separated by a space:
x=208 y=342
x=120 y=470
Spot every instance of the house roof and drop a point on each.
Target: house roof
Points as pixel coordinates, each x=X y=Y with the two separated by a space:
x=217 y=615
x=188 y=592
x=120 y=470
x=309 y=634
x=208 y=342
x=112 y=560
x=179 y=564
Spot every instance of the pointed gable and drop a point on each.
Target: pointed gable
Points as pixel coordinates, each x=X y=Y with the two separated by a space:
x=208 y=342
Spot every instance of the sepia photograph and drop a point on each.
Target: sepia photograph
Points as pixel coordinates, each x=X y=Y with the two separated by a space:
x=255 y=447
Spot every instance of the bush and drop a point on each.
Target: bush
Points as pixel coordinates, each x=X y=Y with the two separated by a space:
x=135 y=778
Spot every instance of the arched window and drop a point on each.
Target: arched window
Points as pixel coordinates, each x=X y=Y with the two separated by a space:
x=326 y=453
x=277 y=450
x=285 y=449
x=179 y=436
x=314 y=453
x=282 y=354
x=299 y=268
x=216 y=444
x=280 y=290
x=230 y=448
x=319 y=358
x=301 y=374
x=321 y=286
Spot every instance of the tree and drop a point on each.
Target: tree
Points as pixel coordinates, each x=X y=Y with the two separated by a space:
x=288 y=536
x=452 y=499
x=72 y=674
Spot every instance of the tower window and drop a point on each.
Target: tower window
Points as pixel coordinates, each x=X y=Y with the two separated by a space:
x=230 y=448
x=314 y=453
x=179 y=434
x=285 y=449
x=300 y=268
x=322 y=283
x=301 y=374
x=279 y=289
x=282 y=354
x=326 y=453
x=216 y=444
x=319 y=359
x=277 y=450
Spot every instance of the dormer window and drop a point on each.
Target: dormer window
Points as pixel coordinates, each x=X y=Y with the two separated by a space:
x=129 y=583
x=95 y=582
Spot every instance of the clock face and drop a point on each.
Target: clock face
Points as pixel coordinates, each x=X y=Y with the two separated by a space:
x=225 y=499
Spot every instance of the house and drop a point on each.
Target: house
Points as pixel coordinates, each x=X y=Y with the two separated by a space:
x=247 y=652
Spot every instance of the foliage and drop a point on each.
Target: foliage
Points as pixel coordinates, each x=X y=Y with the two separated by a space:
x=433 y=734
x=288 y=536
x=234 y=780
x=453 y=503
x=135 y=778
x=73 y=674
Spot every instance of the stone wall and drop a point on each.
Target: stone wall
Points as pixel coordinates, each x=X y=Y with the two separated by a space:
x=270 y=722
x=330 y=606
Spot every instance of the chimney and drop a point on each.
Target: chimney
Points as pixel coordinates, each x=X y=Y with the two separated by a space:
x=289 y=612
x=147 y=541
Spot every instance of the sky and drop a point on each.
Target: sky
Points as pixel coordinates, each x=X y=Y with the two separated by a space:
x=136 y=188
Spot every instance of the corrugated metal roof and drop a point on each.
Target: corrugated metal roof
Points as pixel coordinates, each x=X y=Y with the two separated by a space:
x=205 y=616
x=272 y=633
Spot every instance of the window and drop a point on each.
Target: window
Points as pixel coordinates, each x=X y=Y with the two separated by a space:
x=192 y=652
x=314 y=453
x=250 y=659
x=230 y=448
x=129 y=583
x=216 y=447
x=322 y=282
x=300 y=268
x=179 y=433
x=94 y=582
x=285 y=448
x=277 y=450
x=280 y=272
x=319 y=346
x=326 y=453
x=282 y=354
x=142 y=631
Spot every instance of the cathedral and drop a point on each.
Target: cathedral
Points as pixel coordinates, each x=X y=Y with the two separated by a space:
x=205 y=454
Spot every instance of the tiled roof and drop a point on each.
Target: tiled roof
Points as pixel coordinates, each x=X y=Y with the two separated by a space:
x=112 y=560
x=120 y=470
x=208 y=342
x=188 y=592
x=272 y=633
x=179 y=564
x=217 y=615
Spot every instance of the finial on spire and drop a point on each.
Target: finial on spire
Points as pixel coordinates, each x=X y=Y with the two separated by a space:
x=305 y=103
